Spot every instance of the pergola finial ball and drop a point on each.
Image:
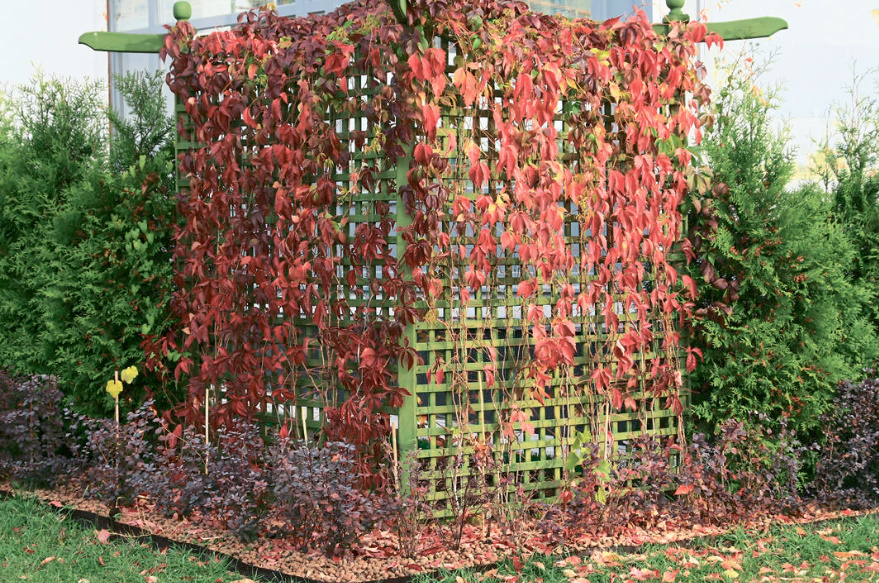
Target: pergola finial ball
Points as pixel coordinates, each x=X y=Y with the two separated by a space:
x=182 y=10
x=675 y=14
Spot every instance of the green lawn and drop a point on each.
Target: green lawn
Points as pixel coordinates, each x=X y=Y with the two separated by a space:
x=41 y=546
x=845 y=550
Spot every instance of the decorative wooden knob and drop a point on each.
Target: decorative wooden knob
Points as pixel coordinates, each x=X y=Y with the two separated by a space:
x=675 y=14
x=182 y=10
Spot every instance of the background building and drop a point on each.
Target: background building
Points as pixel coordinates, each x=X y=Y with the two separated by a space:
x=150 y=16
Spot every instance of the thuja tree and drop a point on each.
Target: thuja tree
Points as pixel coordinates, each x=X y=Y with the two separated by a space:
x=58 y=136
x=311 y=244
x=780 y=322
x=848 y=170
x=86 y=235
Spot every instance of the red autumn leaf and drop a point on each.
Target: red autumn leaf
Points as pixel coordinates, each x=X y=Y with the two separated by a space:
x=430 y=115
x=643 y=574
x=517 y=564
x=423 y=153
x=525 y=289
x=691 y=285
x=684 y=489
x=367 y=357
x=617 y=399
x=174 y=436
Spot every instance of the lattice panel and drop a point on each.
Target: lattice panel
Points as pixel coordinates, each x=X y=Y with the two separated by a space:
x=456 y=415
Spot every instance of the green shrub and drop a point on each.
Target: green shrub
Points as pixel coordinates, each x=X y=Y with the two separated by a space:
x=86 y=236
x=781 y=322
x=848 y=169
x=54 y=144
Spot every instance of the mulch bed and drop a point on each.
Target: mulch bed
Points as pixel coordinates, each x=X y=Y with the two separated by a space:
x=378 y=558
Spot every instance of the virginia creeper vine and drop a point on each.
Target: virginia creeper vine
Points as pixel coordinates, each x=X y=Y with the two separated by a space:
x=280 y=287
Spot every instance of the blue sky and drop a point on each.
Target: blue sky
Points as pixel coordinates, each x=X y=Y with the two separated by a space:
x=814 y=62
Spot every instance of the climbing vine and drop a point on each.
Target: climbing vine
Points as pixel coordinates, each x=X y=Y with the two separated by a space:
x=492 y=128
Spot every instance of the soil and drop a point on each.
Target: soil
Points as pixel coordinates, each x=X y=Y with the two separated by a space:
x=379 y=555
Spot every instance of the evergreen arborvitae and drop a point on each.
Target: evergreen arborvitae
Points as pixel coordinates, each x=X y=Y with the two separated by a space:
x=780 y=322
x=85 y=235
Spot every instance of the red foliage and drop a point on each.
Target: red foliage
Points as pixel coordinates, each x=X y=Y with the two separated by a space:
x=266 y=244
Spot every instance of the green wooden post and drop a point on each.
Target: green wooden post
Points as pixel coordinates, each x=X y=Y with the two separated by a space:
x=407 y=417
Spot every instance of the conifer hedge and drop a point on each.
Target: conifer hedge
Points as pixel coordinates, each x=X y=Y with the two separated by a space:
x=85 y=233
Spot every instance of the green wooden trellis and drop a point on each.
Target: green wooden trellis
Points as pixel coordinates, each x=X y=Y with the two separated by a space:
x=430 y=418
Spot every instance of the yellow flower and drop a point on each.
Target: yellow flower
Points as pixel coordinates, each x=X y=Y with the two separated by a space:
x=114 y=388
x=129 y=374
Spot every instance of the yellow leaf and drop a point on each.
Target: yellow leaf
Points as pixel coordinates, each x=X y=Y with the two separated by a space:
x=129 y=374
x=730 y=574
x=114 y=388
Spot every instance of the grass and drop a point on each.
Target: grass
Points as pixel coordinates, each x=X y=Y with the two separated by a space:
x=41 y=546
x=846 y=550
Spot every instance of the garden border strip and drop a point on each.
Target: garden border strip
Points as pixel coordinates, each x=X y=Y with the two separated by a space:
x=120 y=529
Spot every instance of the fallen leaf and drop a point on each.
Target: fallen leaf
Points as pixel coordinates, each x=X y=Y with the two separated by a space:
x=691 y=563
x=47 y=560
x=670 y=576
x=103 y=536
x=731 y=564
x=517 y=564
x=642 y=574
x=730 y=574
x=684 y=489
